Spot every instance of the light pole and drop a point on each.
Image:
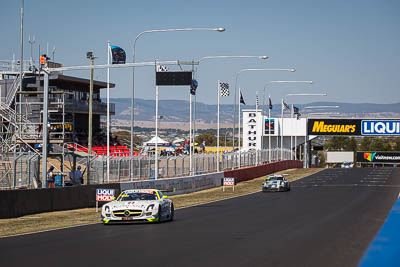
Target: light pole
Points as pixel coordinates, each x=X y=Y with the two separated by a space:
x=269 y=114
x=133 y=70
x=234 y=113
x=305 y=136
x=206 y=58
x=32 y=42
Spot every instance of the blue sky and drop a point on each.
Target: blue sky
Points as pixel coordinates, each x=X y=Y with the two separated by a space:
x=350 y=49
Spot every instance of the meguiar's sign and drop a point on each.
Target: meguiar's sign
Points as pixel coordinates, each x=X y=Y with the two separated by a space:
x=334 y=127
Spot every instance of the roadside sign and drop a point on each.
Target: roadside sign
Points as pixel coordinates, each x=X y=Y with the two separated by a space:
x=105 y=194
x=228 y=181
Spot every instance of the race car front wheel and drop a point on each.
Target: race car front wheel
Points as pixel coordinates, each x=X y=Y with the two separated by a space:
x=172 y=213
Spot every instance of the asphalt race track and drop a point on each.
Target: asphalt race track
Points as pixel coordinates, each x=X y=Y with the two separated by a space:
x=327 y=219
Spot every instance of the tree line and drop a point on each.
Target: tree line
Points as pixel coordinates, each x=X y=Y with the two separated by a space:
x=366 y=143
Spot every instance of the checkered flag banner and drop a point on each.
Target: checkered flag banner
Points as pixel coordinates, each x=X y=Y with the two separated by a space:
x=162 y=68
x=224 y=88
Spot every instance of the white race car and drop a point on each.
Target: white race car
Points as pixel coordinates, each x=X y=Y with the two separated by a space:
x=147 y=205
x=275 y=183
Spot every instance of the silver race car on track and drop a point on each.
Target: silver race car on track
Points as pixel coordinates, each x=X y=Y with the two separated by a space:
x=275 y=183
x=147 y=205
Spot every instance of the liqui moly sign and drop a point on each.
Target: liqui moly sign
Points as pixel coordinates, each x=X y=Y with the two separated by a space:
x=105 y=194
x=380 y=127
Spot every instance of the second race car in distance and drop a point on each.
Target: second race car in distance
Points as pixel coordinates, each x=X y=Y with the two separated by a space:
x=138 y=205
x=275 y=183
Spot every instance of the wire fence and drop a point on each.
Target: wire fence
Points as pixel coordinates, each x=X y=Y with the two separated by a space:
x=19 y=172
x=24 y=170
x=143 y=168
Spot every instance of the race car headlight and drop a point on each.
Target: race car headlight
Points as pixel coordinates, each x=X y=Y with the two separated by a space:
x=150 y=207
x=107 y=209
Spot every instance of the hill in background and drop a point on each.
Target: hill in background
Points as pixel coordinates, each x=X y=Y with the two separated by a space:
x=177 y=111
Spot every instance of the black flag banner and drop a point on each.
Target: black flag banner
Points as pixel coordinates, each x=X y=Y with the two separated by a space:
x=270 y=103
x=118 y=55
x=284 y=105
x=242 y=99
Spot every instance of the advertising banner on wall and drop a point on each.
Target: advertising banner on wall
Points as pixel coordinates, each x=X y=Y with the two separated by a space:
x=334 y=126
x=269 y=126
x=353 y=127
x=378 y=157
x=380 y=127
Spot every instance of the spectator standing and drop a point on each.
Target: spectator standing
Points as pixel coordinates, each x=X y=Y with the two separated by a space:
x=50 y=177
x=203 y=147
x=78 y=176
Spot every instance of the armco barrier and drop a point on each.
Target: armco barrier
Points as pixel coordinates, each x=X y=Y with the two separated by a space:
x=15 y=203
x=180 y=185
x=249 y=173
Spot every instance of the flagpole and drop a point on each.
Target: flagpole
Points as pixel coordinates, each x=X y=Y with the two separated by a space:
x=156 y=144
x=108 y=112
x=190 y=133
x=295 y=140
x=269 y=130
x=240 y=152
x=282 y=131
x=262 y=127
x=219 y=94
x=291 y=134
x=257 y=123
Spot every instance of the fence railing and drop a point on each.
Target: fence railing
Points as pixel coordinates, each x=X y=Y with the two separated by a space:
x=143 y=168
x=21 y=172
x=24 y=170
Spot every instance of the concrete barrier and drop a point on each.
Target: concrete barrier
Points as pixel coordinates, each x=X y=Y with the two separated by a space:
x=16 y=203
x=245 y=174
x=182 y=185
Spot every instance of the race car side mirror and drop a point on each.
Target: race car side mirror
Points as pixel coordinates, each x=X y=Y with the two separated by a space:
x=164 y=196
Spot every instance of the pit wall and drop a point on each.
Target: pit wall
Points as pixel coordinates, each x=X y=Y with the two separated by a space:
x=245 y=174
x=16 y=203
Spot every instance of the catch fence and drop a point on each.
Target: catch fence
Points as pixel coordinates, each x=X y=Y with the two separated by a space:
x=23 y=171
x=143 y=168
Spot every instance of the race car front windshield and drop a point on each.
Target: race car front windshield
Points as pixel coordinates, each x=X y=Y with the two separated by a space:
x=136 y=196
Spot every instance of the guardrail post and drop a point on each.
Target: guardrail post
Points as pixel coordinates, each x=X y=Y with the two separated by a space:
x=183 y=166
x=102 y=167
x=174 y=165
x=149 y=167
x=119 y=170
x=139 y=160
x=213 y=163
x=167 y=160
